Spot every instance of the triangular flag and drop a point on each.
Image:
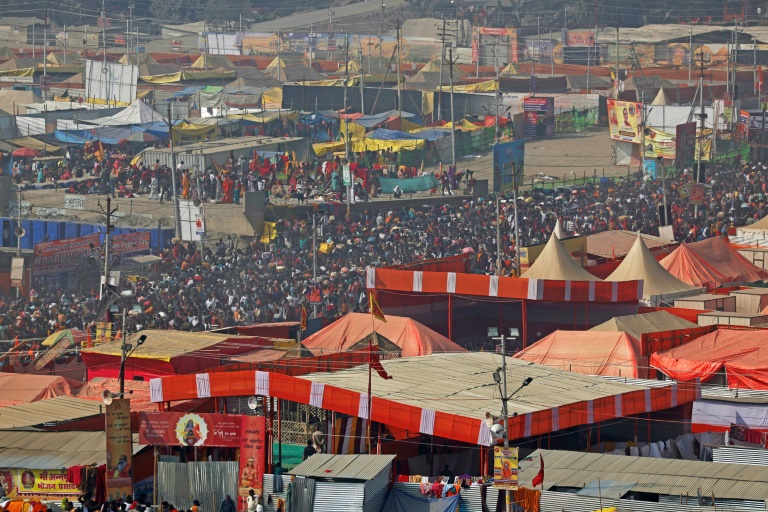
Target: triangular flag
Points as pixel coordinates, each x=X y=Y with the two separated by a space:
x=376 y=365
x=375 y=309
x=539 y=478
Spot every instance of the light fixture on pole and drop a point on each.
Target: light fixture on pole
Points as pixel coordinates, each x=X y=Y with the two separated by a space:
x=126 y=349
x=500 y=378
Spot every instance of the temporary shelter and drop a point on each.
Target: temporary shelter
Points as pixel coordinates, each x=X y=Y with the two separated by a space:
x=604 y=353
x=136 y=113
x=284 y=71
x=616 y=244
x=703 y=261
x=354 y=483
x=638 y=325
x=686 y=265
x=168 y=353
x=346 y=333
x=659 y=285
x=134 y=59
x=657 y=330
x=64 y=58
x=27 y=388
x=208 y=61
x=647 y=81
x=554 y=262
x=558 y=231
x=661 y=98
x=743 y=354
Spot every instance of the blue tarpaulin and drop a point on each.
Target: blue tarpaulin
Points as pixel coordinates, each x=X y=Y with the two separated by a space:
x=398 y=501
x=315 y=118
x=409 y=185
x=432 y=134
x=384 y=134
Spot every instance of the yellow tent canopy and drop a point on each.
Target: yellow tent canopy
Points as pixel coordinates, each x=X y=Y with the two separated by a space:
x=207 y=61
x=356 y=131
x=510 y=69
x=388 y=145
x=353 y=67
x=323 y=148
x=463 y=125
x=487 y=86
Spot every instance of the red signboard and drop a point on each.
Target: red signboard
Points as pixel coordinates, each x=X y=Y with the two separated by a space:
x=189 y=429
x=61 y=254
x=253 y=456
x=130 y=243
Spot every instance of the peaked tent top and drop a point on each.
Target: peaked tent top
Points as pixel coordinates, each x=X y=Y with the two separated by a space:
x=661 y=98
x=641 y=264
x=137 y=112
x=555 y=263
x=559 y=233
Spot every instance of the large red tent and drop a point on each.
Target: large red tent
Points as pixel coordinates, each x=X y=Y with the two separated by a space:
x=743 y=354
x=413 y=338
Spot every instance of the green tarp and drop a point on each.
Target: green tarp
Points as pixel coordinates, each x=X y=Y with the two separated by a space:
x=409 y=185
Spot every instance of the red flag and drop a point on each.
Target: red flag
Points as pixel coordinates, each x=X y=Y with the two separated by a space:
x=375 y=363
x=375 y=309
x=539 y=478
x=303 y=318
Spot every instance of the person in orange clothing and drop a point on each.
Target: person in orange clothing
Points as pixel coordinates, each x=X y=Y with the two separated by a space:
x=185 y=184
x=227 y=187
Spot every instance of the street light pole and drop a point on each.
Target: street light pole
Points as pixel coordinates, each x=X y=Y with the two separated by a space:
x=126 y=349
x=502 y=380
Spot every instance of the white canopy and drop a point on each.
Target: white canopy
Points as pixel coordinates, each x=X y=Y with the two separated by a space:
x=658 y=283
x=137 y=112
x=555 y=263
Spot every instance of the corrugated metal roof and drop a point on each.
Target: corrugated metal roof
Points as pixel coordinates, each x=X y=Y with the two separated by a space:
x=467 y=379
x=649 y=475
x=54 y=450
x=61 y=409
x=163 y=344
x=348 y=467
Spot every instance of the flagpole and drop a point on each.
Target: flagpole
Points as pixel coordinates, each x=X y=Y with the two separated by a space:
x=370 y=360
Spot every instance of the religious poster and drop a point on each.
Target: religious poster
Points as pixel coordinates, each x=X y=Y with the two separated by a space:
x=624 y=120
x=189 y=429
x=253 y=455
x=119 y=449
x=38 y=481
x=505 y=468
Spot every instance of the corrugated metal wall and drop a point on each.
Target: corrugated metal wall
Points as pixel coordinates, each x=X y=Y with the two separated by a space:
x=270 y=505
x=208 y=482
x=339 y=497
x=737 y=455
x=377 y=490
x=558 y=501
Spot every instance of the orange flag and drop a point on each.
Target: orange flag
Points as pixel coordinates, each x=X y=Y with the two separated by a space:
x=375 y=309
x=303 y=318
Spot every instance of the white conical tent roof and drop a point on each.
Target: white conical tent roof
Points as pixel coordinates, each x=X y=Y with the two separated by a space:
x=555 y=263
x=661 y=98
x=137 y=112
x=559 y=233
x=641 y=264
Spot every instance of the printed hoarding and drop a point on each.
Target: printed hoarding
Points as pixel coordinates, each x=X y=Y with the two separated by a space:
x=189 y=429
x=252 y=455
x=119 y=449
x=505 y=468
x=624 y=120
x=54 y=263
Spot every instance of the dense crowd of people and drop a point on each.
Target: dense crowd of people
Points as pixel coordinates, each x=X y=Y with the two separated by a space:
x=231 y=282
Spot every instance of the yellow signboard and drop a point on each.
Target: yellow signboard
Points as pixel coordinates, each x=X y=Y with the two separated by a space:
x=36 y=481
x=505 y=468
x=624 y=120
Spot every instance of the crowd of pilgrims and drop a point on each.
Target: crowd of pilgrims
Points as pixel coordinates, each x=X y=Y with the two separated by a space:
x=236 y=281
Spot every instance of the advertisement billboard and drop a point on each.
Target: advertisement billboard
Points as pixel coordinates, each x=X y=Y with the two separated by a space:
x=505 y=468
x=685 y=144
x=659 y=144
x=119 y=449
x=189 y=429
x=624 y=120
x=129 y=243
x=539 y=116
x=54 y=262
x=508 y=164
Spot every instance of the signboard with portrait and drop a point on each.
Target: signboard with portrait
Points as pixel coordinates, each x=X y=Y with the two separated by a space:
x=37 y=482
x=189 y=429
x=119 y=449
x=505 y=467
x=625 y=120
x=252 y=455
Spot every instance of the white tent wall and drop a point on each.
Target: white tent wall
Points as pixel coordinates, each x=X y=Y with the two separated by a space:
x=627 y=153
x=111 y=81
x=667 y=117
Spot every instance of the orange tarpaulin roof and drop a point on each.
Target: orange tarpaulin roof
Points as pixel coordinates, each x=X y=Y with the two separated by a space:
x=28 y=388
x=711 y=263
x=743 y=354
x=413 y=338
x=689 y=267
x=614 y=354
